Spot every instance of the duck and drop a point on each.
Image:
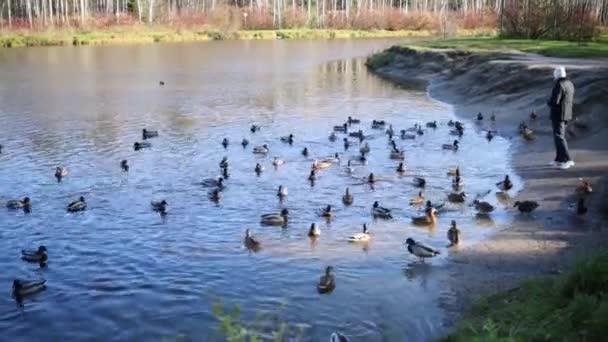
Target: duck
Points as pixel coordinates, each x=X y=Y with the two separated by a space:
x=401 y=168
x=346 y=143
x=418 y=199
x=381 y=212
x=451 y=123
x=282 y=192
x=162 y=83
x=19 y=204
x=225 y=173
x=405 y=136
x=224 y=163
x=254 y=128
x=320 y=164
x=419 y=131
x=452 y=147
x=371 y=179
x=277 y=219
x=258 y=168
x=528 y=134
x=60 y=172
x=431 y=124
x=342 y=128
x=419 y=182
x=457 y=132
x=333 y=137
x=39 y=255
x=357 y=134
x=581 y=208
x=288 y=139
x=78 y=205
x=349 y=168
x=314 y=231
x=483 y=207
x=390 y=131
x=261 y=149
x=313 y=175
x=453 y=234
x=327 y=283
x=277 y=162
x=250 y=242
x=352 y=121
x=1 y=148
x=364 y=149
x=305 y=152
x=506 y=184
x=326 y=212
x=490 y=135
x=159 y=206
x=533 y=115
x=526 y=206
x=332 y=159
x=397 y=155
x=429 y=219
x=457 y=183
x=479 y=116
x=454 y=172
x=347 y=198
x=141 y=145
x=420 y=250
x=338 y=337
x=364 y=236
x=378 y=124
x=213 y=182
x=147 y=134
x=493 y=117
x=225 y=142
x=23 y=288
x=124 y=165
x=215 y=195
x=457 y=197
x=437 y=207
x=584 y=188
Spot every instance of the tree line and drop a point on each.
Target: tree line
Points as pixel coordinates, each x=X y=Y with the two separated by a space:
x=530 y=18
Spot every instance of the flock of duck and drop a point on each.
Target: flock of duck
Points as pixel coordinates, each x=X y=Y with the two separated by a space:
x=349 y=129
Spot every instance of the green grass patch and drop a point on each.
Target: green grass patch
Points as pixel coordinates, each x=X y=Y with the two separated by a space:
x=569 y=307
x=595 y=48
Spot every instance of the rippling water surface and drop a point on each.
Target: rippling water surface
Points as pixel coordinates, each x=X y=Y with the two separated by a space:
x=120 y=272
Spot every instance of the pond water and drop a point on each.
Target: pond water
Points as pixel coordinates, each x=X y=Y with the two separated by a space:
x=120 y=272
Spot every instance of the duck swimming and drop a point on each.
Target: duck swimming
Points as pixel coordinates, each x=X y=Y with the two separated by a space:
x=277 y=162
x=250 y=242
x=526 y=206
x=25 y=204
x=159 y=206
x=405 y=136
x=346 y=143
x=147 y=134
x=371 y=179
x=453 y=234
x=431 y=124
x=479 y=116
x=288 y=139
x=333 y=137
x=213 y=182
x=78 y=205
x=390 y=131
x=326 y=212
x=225 y=142
x=378 y=124
x=305 y=152
x=343 y=128
x=420 y=250
x=483 y=207
x=312 y=176
x=224 y=163
x=401 y=168
x=457 y=183
x=397 y=155
x=429 y=219
x=349 y=168
x=279 y=219
x=141 y=145
x=338 y=337
x=124 y=165
x=320 y=164
x=258 y=169
x=417 y=200
x=215 y=195
x=347 y=198
x=381 y=212
x=60 y=172
x=244 y=143
x=364 y=149
x=352 y=121
x=282 y=192
x=261 y=149
x=452 y=147
x=419 y=182
x=314 y=231
x=327 y=283
x=254 y=128
x=506 y=184
x=533 y=116
x=23 y=288
x=38 y=256
x=364 y=236
x=457 y=197
x=528 y=134
x=490 y=135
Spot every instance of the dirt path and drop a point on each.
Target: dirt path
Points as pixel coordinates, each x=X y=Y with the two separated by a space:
x=513 y=85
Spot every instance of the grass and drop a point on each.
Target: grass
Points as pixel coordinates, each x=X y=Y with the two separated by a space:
x=596 y=48
x=569 y=307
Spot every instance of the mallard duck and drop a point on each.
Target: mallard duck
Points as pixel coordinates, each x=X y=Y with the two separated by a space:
x=581 y=208
x=215 y=195
x=405 y=136
x=528 y=134
x=347 y=198
x=277 y=162
x=452 y=147
x=254 y=128
x=213 y=182
x=159 y=206
x=431 y=124
x=454 y=172
x=506 y=184
x=19 y=204
x=282 y=192
x=288 y=139
x=277 y=219
x=490 y=135
x=419 y=131
x=357 y=134
x=343 y=128
x=397 y=155
x=305 y=152
x=258 y=168
x=333 y=137
x=483 y=207
x=390 y=131
x=364 y=236
x=327 y=282
x=261 y=149
x=147 y=134
x=78 y=205
x=419 y=182
x=224 y=162
x=320 y=164
x=429 y=219
x=364 y=149
x=314 y=231
x=326 y=212
x=457 y=183
x=225 y=143
x=526 y=206
x=378 y=124
x=420 y=250
x=338 y=337
x=352 y=121
x=60 y=172
x=381 y=212
x=533 y=115
x=124 y=165
x=141 y=145
x=39 y=255
x=333 y=159
x=250 y=242
x=417 y=200
x=401 y=168
x=457 y=197
x=23 y=288
x=346 y=143
x=453 y=234
x=244 y=143
x=479 y=116
x=584 y=188
x=313 y=175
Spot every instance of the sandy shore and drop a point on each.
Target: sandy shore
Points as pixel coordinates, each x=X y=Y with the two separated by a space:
x=512 y=85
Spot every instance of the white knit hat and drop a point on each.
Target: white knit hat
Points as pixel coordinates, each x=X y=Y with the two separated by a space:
x=559 y=72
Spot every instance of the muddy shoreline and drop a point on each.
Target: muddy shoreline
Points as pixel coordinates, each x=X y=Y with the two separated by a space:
x=512 y=85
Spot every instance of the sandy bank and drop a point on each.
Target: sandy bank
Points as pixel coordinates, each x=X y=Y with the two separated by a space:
x=513 y=85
